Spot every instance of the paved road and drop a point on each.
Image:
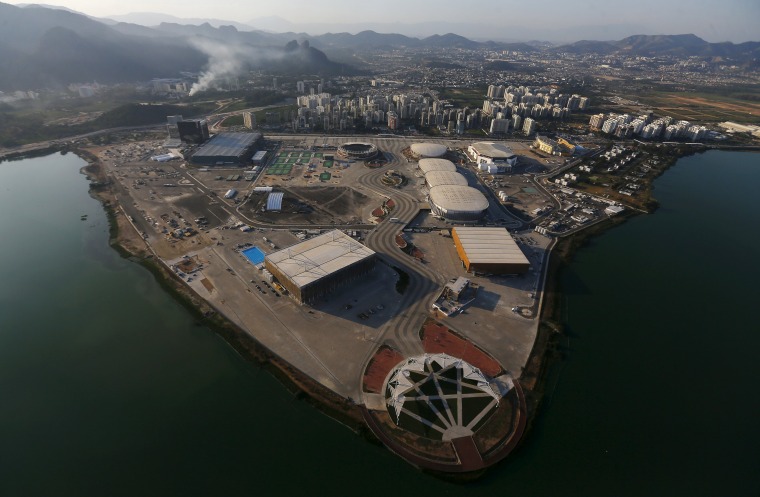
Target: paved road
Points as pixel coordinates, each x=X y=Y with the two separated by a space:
x=401 y=332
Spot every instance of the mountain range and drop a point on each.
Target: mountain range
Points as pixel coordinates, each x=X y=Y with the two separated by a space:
x=45 y=47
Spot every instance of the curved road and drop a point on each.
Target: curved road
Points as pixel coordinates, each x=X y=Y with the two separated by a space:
x=401 y=332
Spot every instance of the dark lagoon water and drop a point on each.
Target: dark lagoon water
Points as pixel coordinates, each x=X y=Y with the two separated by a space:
x=108 y=387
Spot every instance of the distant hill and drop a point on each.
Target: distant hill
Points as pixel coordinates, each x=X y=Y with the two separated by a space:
x=150 y=19
x=302 y=57
x=42 y=47
x=450 y=40
x=49 y=47
x=657 y=45
x=365 y=39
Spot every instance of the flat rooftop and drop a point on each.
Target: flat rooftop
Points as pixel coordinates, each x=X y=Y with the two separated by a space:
x=490 y=246
x=309 y=261
x=227 y=145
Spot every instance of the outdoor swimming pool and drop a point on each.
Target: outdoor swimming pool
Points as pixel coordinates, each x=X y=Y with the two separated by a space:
x=255 y=255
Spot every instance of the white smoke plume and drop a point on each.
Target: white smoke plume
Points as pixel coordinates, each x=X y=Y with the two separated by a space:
x=227 y=60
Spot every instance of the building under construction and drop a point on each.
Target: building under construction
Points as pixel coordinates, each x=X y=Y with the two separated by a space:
x=309 y=270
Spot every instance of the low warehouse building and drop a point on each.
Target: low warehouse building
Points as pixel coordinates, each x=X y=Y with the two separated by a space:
x=458 y=203
x=489 y=250
x=227 y=148
x=311 y=269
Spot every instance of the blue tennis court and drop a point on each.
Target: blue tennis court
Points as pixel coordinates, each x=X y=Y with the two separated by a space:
x=255 y=255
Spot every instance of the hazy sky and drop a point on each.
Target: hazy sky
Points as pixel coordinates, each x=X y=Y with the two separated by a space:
x=713 y=20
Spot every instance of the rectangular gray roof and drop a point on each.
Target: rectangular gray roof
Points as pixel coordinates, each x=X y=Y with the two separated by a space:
x=490 y=246
x=227 y=145
x=309 y=261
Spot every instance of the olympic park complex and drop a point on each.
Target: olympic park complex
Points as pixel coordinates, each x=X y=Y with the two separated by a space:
x=434 y=396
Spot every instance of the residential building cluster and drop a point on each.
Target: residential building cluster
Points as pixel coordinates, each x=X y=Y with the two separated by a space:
x=508 y=107
x=644 y=126
x=379 y=109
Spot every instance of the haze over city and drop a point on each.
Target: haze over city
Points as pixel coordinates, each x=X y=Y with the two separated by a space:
x=554 y=20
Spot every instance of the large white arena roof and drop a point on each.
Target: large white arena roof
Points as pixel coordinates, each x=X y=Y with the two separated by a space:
x=309 y=261
x=440 y=178
x=427 y=165
x=489 y=246
x=429 y=149
x=442 y=383
x=493 y=150
x=453 y=198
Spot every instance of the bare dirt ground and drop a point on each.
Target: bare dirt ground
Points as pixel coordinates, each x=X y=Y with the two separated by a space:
x=314 y=204
x=743 y=108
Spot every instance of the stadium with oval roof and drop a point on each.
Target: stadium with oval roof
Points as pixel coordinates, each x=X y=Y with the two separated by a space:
x=423 y=150
x=458 y=203
x=440 y=178
x=357 y=150
x=428 y=165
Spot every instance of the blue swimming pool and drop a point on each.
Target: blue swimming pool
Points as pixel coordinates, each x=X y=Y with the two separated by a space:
x=255 y=255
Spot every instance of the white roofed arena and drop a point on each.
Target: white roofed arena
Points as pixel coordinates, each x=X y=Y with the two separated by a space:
x=423 y=150
x=311 y=269
x=442 y=396
x=457 y=203
x=497 y=155
x=429 y=165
